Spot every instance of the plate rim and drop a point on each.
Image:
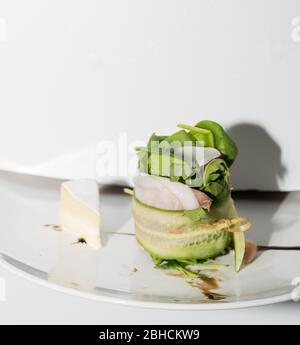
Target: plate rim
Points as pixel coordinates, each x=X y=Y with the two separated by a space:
x=144 y=304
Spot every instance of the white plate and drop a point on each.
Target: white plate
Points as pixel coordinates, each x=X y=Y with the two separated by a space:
x=122 y=272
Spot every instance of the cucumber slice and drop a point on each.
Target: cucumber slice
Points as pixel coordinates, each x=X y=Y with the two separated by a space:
x=171 y=235
x=239 y=243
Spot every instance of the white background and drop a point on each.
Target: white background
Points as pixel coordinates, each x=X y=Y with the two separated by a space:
x=73 y=73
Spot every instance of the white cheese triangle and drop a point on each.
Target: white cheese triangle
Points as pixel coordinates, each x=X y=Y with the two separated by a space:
x=80 y=210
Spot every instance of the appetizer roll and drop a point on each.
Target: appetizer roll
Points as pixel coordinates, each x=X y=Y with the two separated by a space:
x=182 y=205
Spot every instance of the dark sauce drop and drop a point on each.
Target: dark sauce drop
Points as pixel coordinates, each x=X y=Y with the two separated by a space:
x=213 y=296
x=206 y=284
x=80 y=241
x=53 y=227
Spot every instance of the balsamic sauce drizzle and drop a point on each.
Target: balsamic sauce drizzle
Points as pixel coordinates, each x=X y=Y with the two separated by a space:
x=262 y=248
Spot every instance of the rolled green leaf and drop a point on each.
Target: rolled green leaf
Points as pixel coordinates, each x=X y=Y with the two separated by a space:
x=223 y=142
x=216 y=179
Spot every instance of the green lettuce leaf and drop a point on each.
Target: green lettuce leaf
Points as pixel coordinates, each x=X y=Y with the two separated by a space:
x=202 y=135
x=154 y=139
x=181 y=137
x=182 y=266
x=165 y=164
x=196 y=214
x=216 y=179
x=223 y=142
x=158 y=158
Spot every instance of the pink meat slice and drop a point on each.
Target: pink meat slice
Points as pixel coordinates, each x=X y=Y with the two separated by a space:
x=203 y=199
x=162 y=193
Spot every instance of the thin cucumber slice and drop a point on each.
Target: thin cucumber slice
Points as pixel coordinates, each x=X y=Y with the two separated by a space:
x=239 y=243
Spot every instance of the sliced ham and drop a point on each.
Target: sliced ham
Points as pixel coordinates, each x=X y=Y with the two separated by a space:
x=203 y=199
x=162 y=193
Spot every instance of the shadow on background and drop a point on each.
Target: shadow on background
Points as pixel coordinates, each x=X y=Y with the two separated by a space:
x=258 y=168
x=258 y=165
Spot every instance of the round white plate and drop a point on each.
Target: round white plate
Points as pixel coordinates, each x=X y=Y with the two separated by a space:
x=121 y=272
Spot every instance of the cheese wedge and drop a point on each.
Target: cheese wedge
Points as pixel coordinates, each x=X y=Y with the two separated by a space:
x=79 y=210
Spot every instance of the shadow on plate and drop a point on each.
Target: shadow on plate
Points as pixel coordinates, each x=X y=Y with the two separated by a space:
x=258 y=167
x=116 y=209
